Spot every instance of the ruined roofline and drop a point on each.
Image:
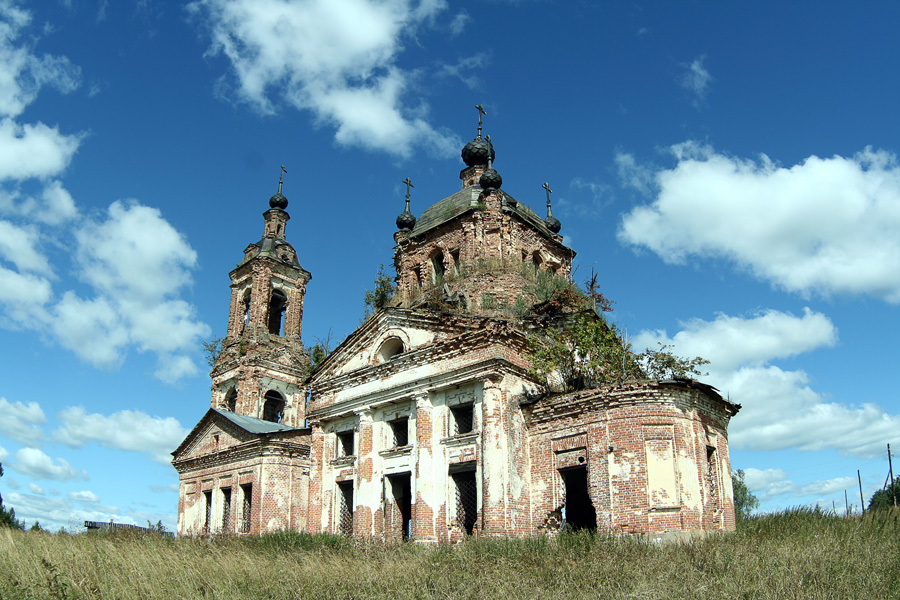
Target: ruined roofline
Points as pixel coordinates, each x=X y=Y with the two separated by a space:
x=620 y=394
x=447 y=210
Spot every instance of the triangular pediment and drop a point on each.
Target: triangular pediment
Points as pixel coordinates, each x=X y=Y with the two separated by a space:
x=365 y=347
x=219 y=430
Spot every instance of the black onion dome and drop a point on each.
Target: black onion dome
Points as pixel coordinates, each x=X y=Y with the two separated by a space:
x=490 y=180
x=478 y=152
x=278 y=201
x=406 y=220
x=553 y=224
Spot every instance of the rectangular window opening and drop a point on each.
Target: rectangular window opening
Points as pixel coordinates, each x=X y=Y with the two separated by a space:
x=345 y=443
x=247 y=509
x=345 y=508
x=399 y=432
x=466 y=500
x=226 y=509
x=462 y=419
x=207 y=523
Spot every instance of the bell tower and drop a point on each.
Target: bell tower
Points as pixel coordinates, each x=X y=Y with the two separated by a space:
x=262 y=364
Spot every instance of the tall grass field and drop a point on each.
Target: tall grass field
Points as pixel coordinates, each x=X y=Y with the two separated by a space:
x=799 y=553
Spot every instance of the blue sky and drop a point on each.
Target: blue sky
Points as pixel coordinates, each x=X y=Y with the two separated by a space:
x=729 y=170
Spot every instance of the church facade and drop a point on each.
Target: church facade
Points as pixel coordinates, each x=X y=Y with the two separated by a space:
x=428 y=423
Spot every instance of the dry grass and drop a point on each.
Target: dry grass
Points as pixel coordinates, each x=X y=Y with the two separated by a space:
x=797 y=554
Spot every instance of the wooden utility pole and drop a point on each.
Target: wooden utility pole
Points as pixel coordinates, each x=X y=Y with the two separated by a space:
x=846 y=505
x=891 y=471
x=862 y=501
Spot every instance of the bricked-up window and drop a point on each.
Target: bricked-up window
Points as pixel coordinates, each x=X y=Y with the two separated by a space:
x=466 y=498
x=247 y=509
x=273 y=407
x=345 y=443
x=400 y=431
x=462 y=419
x=345 y=508
x=226 y=509
x=231 y=400
x=207 y=522
x=277 y=304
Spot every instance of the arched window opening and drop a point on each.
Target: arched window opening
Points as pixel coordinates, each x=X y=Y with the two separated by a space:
x=454 y=254
x=245 y=305
x=273 y=408
x=231 y=400
x=536 y=260
x=389 y=349
x=277 y=304
x=437 y=268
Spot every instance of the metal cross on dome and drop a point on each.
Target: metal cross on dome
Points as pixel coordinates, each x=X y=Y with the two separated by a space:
x=281 y=179
x=546 y=186
x=409 y=184
x=481 y=113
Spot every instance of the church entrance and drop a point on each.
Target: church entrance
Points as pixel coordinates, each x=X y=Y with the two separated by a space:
x=398 y=507
x=579 y=512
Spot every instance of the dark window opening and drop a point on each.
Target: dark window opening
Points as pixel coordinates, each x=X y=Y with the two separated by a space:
x=536 y=260
x=273 y=407
x=466 y=500
x=463 y=419
x=207 y=524
x=247 y=512
x=226 y=509
x=345 y=508
x=277 y=304
x=417 y=273
x=245 y=305
x=231 y=400
x=454 y=254
x=579 y=511
x=437 y=268
x=400 y=431
x=399 y=509
x=390 y=348
x=345 y=443
x=712 y=475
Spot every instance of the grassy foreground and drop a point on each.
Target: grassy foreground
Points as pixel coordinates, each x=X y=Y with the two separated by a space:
x=795 y=554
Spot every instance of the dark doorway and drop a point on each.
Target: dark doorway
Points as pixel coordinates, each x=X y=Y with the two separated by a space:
x=466 y=500
x=400 y=506
x=579 y=510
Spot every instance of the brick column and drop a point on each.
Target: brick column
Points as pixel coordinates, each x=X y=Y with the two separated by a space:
x=494 y=459
x=367 y=496
x=428 y=489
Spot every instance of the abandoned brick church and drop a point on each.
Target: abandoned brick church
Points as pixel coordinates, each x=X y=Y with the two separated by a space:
x=428 y=423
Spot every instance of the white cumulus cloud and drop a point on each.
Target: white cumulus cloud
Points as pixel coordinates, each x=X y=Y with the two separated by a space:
x=21 y=422
x=824 y=225
x=771 y=483
x=33 y=462
x=335 y=59
x=779 y=408
x=83 y=496
x=134 y=431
